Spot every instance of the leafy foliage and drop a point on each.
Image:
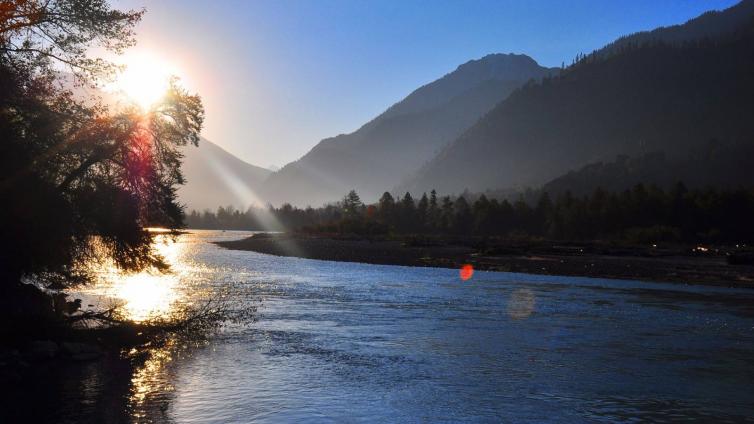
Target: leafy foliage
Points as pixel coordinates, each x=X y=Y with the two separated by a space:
x=76 y=178
x=35 y=33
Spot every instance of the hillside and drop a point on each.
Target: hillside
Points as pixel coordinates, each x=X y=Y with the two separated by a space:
x=399 y=141
x=656 y=96
x=712 y=24
x=217 y=178
x=715 y=165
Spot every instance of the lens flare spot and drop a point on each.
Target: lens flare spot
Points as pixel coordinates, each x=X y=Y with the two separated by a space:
x=466 y=272
x=521 y=304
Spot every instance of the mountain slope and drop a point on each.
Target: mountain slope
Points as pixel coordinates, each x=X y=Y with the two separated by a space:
x=215 y=178
x=649 y=97
x=712 y=24
x=715 y=165
x=393 y=145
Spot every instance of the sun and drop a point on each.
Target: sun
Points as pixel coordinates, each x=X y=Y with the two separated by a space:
x=145 y=79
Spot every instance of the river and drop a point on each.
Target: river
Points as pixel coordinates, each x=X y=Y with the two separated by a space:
x=349 y=342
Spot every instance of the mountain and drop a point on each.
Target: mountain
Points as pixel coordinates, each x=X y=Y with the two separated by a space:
x=714 y=165
x=215 y=178
x=396 y=143
x=712 y=24
x=650 y=96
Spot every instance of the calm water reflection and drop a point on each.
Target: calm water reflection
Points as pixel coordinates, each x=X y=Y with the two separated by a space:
x=352 y=342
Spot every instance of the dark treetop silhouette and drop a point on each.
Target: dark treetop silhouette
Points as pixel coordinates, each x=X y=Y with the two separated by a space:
x=639 y=215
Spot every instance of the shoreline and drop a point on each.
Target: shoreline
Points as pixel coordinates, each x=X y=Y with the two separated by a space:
x=678 y=264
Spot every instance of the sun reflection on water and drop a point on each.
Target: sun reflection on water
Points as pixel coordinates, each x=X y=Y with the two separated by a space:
x=145 y=295
x=148 y=294
x=151 y=378
x=160 y=298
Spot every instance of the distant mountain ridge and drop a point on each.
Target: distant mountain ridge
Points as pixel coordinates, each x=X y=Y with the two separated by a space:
x=653 y=96
x=711 y=24
x=714 y=165
x=496 y=66
x=215 y=177
x=396 y=143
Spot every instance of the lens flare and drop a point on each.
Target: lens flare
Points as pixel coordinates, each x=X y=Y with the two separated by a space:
x=466 y=272
x=521 y=304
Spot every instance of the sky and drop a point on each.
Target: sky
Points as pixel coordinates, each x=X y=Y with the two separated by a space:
x=277 y=76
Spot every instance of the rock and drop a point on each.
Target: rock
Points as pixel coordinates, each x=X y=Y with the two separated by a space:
x=43 y=349
x=81 y=351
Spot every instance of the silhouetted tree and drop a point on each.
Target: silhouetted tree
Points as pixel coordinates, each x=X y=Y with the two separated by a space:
x=387 y=209
x=462 y=222
x=422 y=213
x=352 y=204
x=407 y=218
x=446 y=214
x=76 y=178
x=433 y=214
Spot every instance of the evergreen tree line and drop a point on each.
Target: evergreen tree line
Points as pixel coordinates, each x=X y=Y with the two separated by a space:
x=643 y=214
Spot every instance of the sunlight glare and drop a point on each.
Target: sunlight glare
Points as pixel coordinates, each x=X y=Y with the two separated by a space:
x=147 y=294
x=145 y=79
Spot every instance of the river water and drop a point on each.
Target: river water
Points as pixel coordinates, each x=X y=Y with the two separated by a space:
x=349 y=342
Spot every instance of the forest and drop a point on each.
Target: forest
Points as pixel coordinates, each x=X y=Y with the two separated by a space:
x=643 y=214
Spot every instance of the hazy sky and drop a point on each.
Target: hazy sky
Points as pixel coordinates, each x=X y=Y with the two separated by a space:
x=277 y=76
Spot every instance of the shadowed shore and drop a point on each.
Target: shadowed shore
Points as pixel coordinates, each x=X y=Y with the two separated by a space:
x=671 y=264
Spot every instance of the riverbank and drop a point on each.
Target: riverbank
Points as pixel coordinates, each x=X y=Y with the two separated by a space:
x=681 y=264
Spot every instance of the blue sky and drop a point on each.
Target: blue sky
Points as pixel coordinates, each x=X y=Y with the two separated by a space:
x=277 y=76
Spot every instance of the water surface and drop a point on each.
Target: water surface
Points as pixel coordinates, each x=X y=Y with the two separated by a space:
x=356 y=342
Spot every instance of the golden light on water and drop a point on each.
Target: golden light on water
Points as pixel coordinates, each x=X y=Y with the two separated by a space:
x=145 y=295
x=150 y=378
x=148 y=294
